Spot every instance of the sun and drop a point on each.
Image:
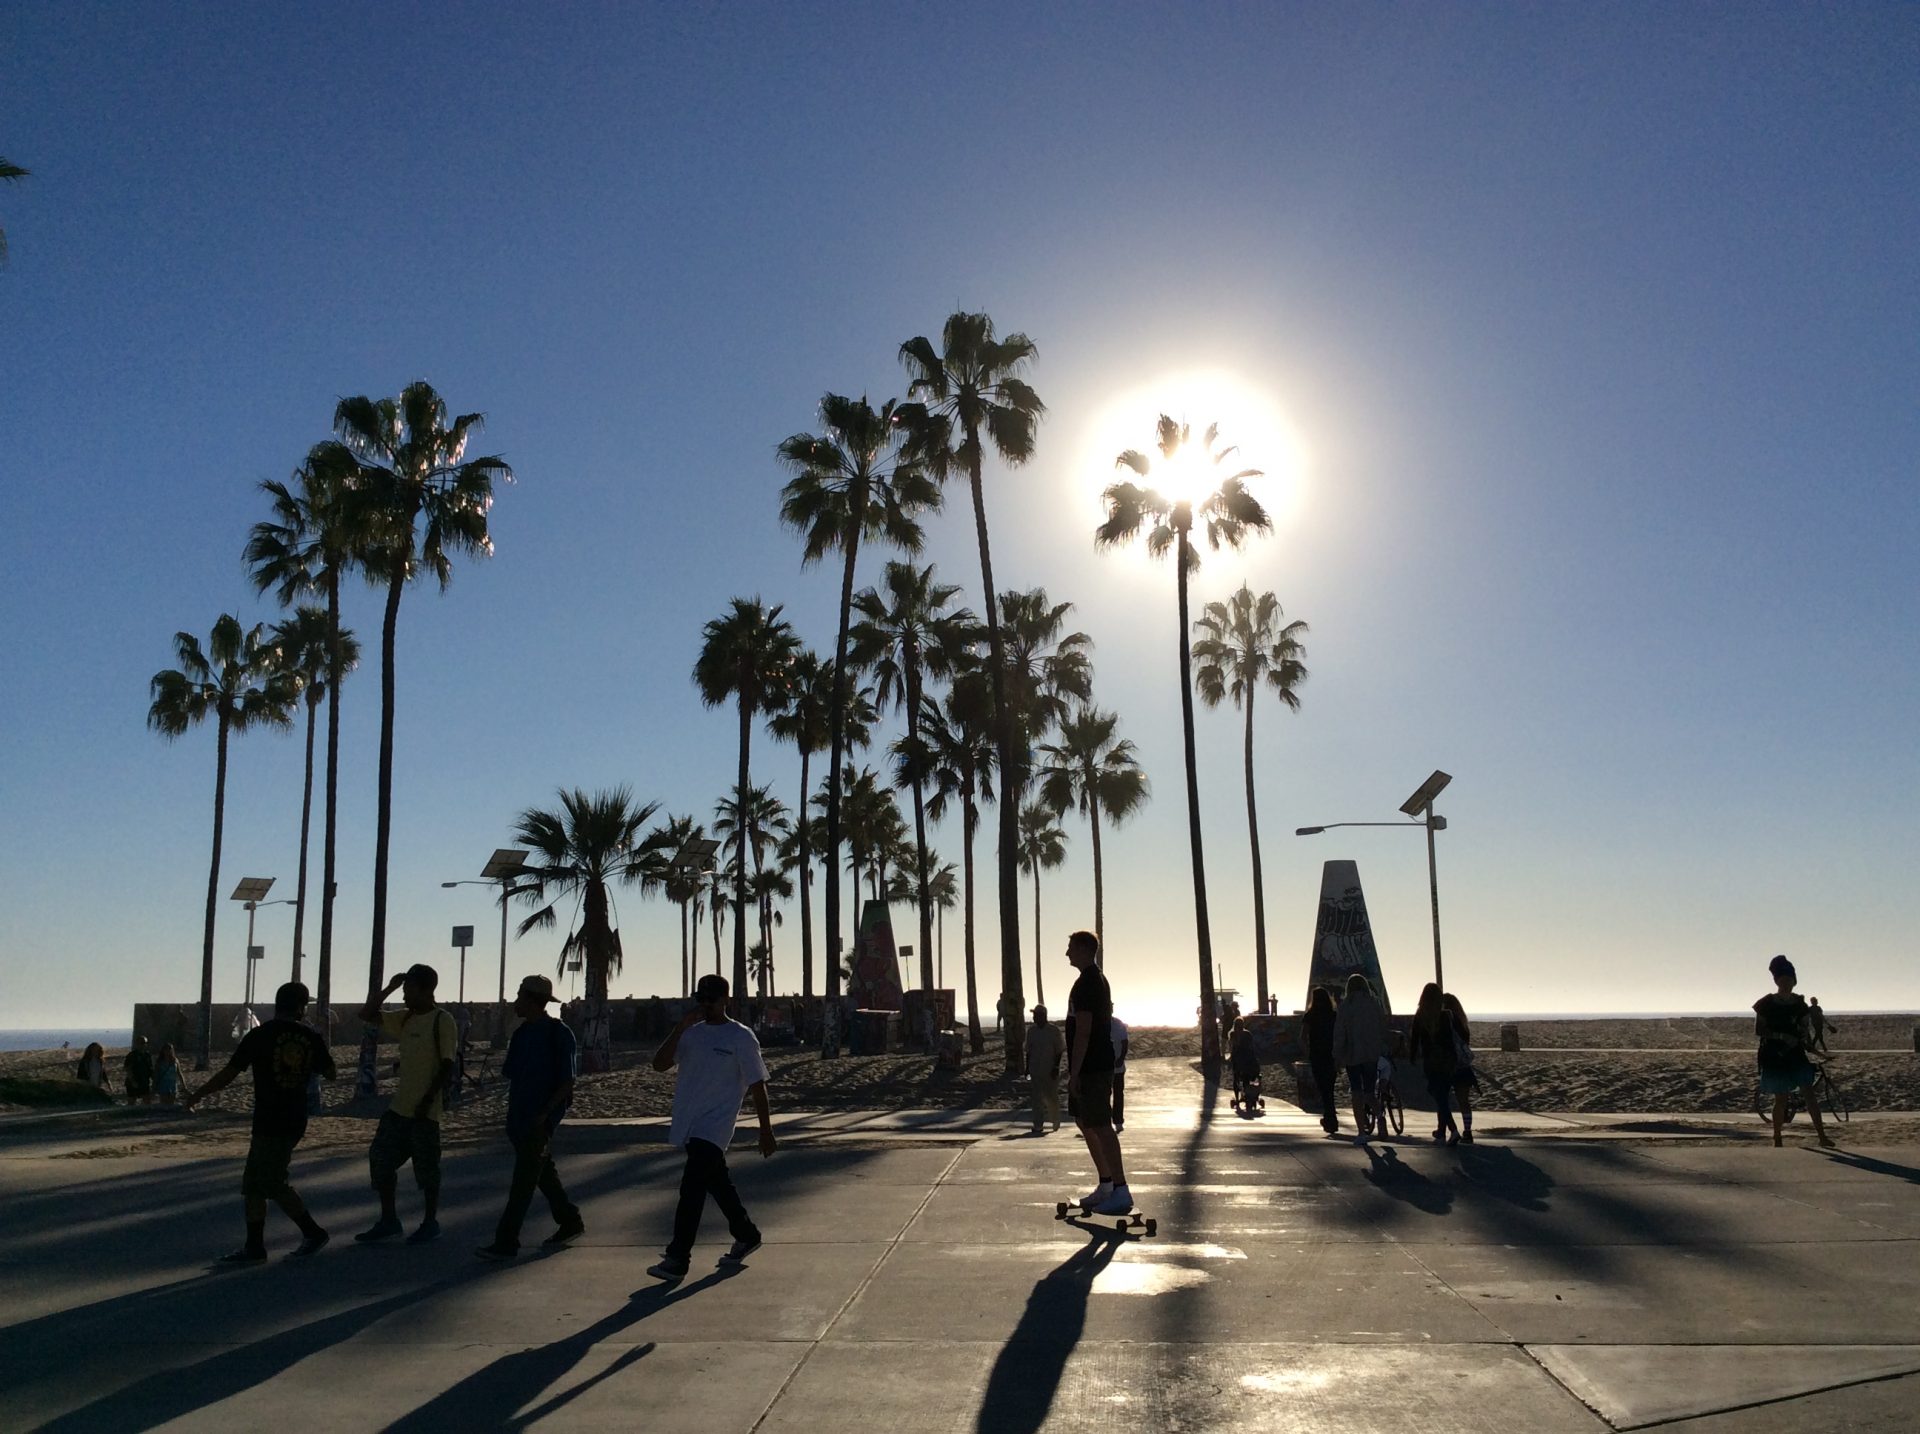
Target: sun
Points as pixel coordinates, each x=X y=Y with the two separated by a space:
x=1250 y=422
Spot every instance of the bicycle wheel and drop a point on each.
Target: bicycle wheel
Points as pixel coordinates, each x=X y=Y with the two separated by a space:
x=1396 y=1117
x=1763 y=1106
x=1832 y=1101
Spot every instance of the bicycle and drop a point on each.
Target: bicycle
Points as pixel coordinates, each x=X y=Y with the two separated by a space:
x=1388 y=1110
x=1832 y=1098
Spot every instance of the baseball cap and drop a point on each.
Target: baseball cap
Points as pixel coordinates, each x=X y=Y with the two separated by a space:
x=539 y=987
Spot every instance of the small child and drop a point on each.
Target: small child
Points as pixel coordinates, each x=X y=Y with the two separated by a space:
x=166 y=1075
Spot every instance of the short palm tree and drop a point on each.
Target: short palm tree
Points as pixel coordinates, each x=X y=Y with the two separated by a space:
x=1048 y=671
x=1043 y=847
x=679 y=882
x=850 y=483
x=943 y=894
x=957 y=737
x=305 y=649
x=11 y=173
x=745 y=656
x=579 y=850
x=968 y=395
x=904 y=635
x=316 y=534
x=1229 y=512
x=425 y=502
x=1238 y=645
x=234 y=681
x=1095 y=770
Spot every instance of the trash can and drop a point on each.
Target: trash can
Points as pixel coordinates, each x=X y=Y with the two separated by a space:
x=1509 y=1037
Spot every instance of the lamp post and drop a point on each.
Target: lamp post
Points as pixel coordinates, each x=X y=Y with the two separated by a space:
x=504 y=865
x=249 y=892
x=1420 y=807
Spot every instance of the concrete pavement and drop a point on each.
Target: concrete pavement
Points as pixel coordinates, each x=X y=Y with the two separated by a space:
x=915 y=1276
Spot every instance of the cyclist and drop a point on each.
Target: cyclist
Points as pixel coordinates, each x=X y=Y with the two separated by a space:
x=1780 y=1022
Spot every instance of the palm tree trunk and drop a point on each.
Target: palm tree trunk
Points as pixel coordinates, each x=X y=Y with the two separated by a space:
x=365 y=1086
x=306 y=828
x=1209 y=1031
x=1099 y=889
x=743 y=795
x=1259 y=893
x=596 y=936
x=806 y=883
x=968 y=818
x=331 y=819
x=837 y=725
x=202 y=1060
x=1039 y=976
x=686 y=984
x=919 y=822
x=1009 y=806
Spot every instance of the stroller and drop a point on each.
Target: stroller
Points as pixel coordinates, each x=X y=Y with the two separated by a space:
x=1245 y=1060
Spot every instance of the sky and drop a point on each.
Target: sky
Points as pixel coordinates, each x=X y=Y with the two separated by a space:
x=1579 y=347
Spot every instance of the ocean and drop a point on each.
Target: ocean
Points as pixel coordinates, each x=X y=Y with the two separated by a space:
x=54 y=1039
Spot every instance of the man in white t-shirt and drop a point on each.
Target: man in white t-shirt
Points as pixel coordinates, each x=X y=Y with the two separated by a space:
x=719 y=1063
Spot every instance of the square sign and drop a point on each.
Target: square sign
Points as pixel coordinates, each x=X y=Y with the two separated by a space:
x=463 y=936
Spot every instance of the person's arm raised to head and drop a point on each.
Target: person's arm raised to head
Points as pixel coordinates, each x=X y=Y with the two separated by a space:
x=663 y=1058
x=370 y=1013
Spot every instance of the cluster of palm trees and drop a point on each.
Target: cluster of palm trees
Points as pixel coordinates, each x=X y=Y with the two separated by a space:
x=392 y=496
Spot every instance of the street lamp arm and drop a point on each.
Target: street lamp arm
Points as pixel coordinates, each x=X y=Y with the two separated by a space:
x=1440 y=825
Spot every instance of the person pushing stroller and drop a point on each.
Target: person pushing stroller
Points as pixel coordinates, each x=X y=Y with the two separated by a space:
x=1245 y=1062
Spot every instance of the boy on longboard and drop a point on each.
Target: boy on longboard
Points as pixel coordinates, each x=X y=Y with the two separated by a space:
x=1090 y=1075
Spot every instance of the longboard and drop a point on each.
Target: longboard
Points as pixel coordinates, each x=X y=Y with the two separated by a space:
x=1134 y=1220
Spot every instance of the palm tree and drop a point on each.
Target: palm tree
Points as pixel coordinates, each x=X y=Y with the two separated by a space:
x=1229 y=511
x=425 y=502
x=580 y=849
x=233 y=680
x=968 y=389
x=1048 y=670
x=943 y=894
x=849 y=483
x=12 y=173
x=745 y=656
x=1093 y=769
x=902 y=637
x=1238 y=645
x=304 y=648
x=317 y=532
x=1043 y=846
x=678 y=882
x=957 y=737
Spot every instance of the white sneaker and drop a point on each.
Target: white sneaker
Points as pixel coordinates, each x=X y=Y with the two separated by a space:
x=1100 y=1193
x=1118 y=1202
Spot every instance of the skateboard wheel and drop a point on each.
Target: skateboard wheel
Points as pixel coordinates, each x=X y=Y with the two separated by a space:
x=1153 y=1227
x=1060 y=1210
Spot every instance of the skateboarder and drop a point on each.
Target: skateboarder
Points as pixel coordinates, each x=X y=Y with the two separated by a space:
x=281 y=1054
x=409 y=1128
x=719 y=1063
x=1090 y=1075
x=539 y=1071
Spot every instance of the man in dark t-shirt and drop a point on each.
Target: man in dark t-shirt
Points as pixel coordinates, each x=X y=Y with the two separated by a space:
x=282 y=1054
x=539 y=1071
x=1090 y=1075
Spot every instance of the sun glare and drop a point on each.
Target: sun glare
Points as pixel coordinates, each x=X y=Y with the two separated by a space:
x=1250 y=422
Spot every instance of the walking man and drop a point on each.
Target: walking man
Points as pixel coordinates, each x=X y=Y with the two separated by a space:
x=719 y=1063
x=1817 y=1023
x=1045 y=1047
x=539 y=1069
x=281 y=1054
x=409 y=1128
x=1090 y=1075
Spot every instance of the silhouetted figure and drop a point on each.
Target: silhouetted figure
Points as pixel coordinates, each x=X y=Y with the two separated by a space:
x=1045 y=1049
x=720 y=1062
x=409 y=1128
x=1430 y=1043
x=1780 y=1022
x=1120 y=1041
x=539 y=1070
x=1316 y=1034
x=281 y=1053
x=1243 y=1059
x=1465 y=1079
x=92 y=1067
x=136 y=1074
x=1817 y=1026
x=1359 y=1042
x=1090 y=1075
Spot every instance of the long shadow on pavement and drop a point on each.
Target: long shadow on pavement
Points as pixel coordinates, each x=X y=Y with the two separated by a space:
x=1872 y=1166
x=1026 y=1372
x=1391 y=1175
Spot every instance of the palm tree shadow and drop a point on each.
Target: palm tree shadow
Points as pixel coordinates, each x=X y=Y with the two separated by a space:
x=1872 y=1166
x=1027 y=1370
x=1391 y=1175
x=489 y=1397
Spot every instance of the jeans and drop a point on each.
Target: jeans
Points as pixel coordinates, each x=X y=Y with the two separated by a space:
x=1323 y=1081
x=706 y=1174
x=1440 y=1087
x=533 y=1169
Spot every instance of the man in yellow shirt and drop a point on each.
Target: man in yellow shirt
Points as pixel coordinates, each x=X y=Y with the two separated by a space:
x=409 y=1128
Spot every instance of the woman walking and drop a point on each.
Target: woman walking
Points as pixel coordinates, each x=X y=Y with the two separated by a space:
x=1316 y=1032
x=1465 y=1080
x=1431 y=1044
x=1780 y=1022
x=1359 y=1041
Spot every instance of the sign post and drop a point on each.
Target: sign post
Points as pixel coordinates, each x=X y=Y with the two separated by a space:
x=463 y=938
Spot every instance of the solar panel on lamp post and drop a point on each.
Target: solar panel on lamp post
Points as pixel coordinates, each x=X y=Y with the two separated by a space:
x=250 y=890
x=502 y=867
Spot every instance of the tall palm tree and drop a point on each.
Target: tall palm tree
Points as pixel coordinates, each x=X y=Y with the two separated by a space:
x=957 y=738
x=1043 y=847
x=12 y=173
x=1048 y=671
x=969 y=394
x=745 y=656
x=233 y=680
x=1229 y=512
x=426 y=501
x=679 y=883
x=316 y=534
x=850 y=482
x=1239 y=644
x=305 y=648
x=903 y=636
x=1094 y=769
x=580 y=849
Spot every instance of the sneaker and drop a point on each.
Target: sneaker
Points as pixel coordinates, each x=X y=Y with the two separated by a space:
x=429 y=1231
x=668 y=1267
x=1466 y=1137
x=1099 y=1193
x=1120 y=1202
x=497 y=1251
x=312 y=1245
x=1361 y=1138
x=569 y=1230
x=739 y=1250
x=379 y=1230
x=245 y=1255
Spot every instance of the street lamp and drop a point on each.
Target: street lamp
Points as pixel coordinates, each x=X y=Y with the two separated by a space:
x=249 y=892
x=504 y=865
x=1420 y=807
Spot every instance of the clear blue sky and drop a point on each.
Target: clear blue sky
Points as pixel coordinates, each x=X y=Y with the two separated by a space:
x=1593 y=335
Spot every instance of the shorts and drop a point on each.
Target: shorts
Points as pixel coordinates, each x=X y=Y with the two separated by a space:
x=1786 y=1082
x=1090 y=1101
x=399 y=1139
x=269 y=1160
x=1363 y=1078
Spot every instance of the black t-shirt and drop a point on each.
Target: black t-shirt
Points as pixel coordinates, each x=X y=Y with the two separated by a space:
x=282 y=1054
x=1782 y=1044
x=1091 y=1001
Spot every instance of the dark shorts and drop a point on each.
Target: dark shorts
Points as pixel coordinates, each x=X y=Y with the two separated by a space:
x=1090 y=1101
x=269 y=1159
x=1362 y=1079
x=399 y=1139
